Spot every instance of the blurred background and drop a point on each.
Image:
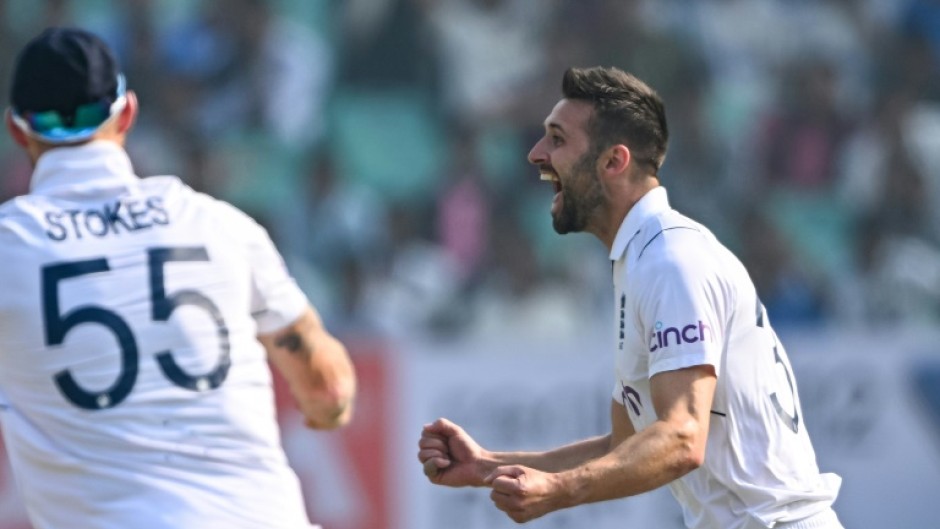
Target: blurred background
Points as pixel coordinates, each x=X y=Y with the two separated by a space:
x=383 y=145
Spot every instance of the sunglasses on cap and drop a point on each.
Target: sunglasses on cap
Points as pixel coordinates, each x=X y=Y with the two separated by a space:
x=51 y=126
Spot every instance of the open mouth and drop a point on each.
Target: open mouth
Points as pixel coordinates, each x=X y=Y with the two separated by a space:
x=556 y=185
x=553 y=178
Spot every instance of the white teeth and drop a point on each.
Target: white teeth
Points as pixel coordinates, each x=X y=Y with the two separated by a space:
x=548 y=176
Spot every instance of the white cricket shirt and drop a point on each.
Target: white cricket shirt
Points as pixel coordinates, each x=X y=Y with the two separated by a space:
x=681 y=300
x=133 y=390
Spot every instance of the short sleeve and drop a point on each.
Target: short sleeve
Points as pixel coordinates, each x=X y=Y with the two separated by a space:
x=682 y=312
x=276 y=300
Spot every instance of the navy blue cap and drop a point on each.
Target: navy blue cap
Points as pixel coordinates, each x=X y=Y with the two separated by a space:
x=65 y=81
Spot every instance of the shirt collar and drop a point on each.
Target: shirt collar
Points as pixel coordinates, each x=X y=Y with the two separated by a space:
x=654 y=202
x=89 y=166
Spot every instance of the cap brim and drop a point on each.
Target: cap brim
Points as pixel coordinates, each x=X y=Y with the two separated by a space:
x=63 y=135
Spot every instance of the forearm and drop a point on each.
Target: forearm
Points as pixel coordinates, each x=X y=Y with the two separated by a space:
x=635 y=462
x=326 y=394
x=645 y=461
x=318 y=371
x=555 y=460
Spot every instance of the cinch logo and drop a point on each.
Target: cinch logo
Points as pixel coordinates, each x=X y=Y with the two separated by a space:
x=691 y=333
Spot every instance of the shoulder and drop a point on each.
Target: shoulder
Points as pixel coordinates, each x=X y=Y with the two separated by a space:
x=8 y=209
x=167 y=185
x=15 y=207
x=177 y=194
x=669 y=239
x=672 y=250
x=18 y=219
x=8 y=213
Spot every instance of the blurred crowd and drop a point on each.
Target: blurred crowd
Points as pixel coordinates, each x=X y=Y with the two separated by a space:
x=383 y=144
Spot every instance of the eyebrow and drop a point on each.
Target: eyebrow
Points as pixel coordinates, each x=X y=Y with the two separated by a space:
x=553 y=125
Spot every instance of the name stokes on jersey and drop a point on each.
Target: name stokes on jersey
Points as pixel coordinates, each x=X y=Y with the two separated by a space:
x=112 y=218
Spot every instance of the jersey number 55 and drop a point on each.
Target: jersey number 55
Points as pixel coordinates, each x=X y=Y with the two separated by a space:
x=57 y=325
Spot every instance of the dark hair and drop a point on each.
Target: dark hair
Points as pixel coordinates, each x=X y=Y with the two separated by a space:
x=626 y=111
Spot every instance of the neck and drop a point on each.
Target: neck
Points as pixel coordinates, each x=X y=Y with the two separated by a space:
x=621 y=199
x=36 y=148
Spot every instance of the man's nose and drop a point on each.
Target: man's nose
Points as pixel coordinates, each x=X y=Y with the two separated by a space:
x=537 y=155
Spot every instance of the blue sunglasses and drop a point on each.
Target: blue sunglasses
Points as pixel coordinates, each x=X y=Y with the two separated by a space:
x=51 y=126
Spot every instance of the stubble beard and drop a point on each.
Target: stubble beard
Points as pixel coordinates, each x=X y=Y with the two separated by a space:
x=579 y=205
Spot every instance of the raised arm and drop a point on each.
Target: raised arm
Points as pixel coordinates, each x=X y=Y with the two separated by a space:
x=317 y=368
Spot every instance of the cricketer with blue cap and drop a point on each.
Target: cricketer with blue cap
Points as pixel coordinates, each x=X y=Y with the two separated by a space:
x=66 y=84
x=117 y=409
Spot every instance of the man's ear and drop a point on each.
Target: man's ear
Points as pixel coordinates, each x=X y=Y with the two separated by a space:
x=15 y=132
x=616 y=159
x=128 y=114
